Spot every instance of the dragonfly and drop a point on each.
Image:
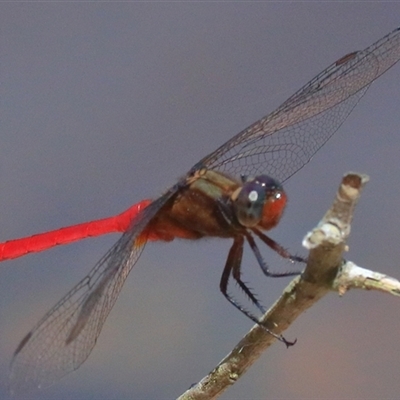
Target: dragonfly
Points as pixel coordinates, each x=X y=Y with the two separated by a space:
x=226 y=194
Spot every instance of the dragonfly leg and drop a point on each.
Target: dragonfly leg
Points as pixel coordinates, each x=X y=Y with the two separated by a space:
x=236 y=274
x=232 y=267
x=278 y=248
x=261 y=261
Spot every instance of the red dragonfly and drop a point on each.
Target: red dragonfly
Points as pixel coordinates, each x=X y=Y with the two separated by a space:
x=224 y=195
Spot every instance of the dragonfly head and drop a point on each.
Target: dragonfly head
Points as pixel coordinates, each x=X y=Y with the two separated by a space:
x=259 y=202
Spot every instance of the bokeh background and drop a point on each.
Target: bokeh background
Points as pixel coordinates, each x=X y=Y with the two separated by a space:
x=105 y=104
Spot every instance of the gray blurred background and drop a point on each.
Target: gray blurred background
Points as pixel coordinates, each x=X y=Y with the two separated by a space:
x=105 y=104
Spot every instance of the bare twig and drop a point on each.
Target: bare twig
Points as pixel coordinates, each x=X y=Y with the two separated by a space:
x=325 y=271
x=352 y=276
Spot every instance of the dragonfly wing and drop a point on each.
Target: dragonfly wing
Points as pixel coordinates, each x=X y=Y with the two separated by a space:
x=285 y=140
x=65 y=336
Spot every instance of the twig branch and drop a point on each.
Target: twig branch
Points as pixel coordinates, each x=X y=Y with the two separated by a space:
x=351 y=276
x=325 y=271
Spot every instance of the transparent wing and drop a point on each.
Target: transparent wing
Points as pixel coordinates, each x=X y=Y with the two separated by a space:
x=65 y=336
x=285 y=140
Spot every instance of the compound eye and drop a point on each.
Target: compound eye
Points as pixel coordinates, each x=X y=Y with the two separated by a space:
x=249 y=204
